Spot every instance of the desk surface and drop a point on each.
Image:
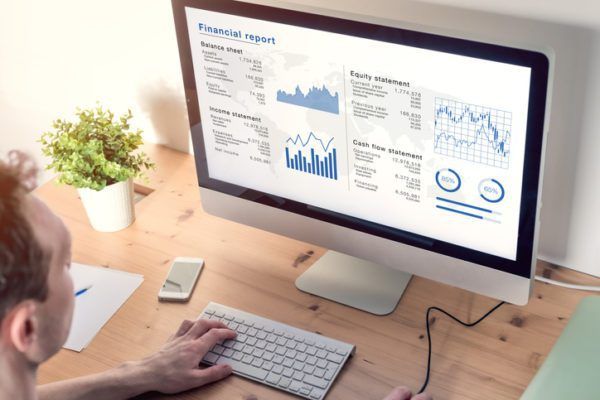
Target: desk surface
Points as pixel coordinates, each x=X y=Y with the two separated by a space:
x=255 y=271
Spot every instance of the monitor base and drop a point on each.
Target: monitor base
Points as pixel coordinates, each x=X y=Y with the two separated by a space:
x=355 y=282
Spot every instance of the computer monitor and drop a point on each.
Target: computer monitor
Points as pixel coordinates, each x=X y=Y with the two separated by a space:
x=412 y=151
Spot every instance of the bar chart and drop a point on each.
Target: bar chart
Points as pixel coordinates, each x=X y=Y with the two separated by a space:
x=312 y=156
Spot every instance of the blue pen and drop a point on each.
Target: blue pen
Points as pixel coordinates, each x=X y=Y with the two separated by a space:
x=82 y=291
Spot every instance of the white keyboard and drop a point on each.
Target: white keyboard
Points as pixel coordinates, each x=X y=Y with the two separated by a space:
x=275 y=354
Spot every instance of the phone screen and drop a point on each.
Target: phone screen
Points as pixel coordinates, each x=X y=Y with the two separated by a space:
x=181 y=277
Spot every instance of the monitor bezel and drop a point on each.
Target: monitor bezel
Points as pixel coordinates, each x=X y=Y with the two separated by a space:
x=536 y=61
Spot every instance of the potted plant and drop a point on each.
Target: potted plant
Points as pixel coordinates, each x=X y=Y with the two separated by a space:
x=97 y=155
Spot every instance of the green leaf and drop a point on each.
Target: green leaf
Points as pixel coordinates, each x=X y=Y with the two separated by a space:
x=96 y=150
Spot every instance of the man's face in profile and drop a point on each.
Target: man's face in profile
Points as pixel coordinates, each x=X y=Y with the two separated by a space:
x=53 y=317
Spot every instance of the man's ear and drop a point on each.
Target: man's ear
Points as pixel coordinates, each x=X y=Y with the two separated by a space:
x=22 y=325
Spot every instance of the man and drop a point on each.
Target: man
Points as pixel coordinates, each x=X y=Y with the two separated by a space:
x=36 y=307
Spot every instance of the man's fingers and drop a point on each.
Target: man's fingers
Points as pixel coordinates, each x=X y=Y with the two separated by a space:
x=400 y=393
x=185 y=326
x=212 y=374
x=215 y=335
x=201 y=326
x=422 y=396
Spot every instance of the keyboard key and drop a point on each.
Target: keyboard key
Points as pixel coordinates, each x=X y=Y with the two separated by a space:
x=257 y=362
x=312 y=380
x=252 y=332
x=211 y=358
x=268 y=356
x=271 y=338
x=261 y=335
x=233 y=325
x=320 y=346
x=316 y=394
x=271 y=347
x=281 y=341
x=321 y=363
x=241 y=338
x=298 y=375
x=305 y=390
x=330 y=373
x=288 y=372
x=251 y=341
x=285 y=382
x=321 y=354
x=228 y=343
x=261 y=344
x=289 y=353
x=248 y=349
x=258 y=353
x=209 y=312
x=288 y=335
x=242 y=329
x=267 y=366
x=298 y=366
x=218 y=349
x=311 y=350
x=301 y=347
x=309 y=369
x=301 y=357
x=219 y=314
x=248 y=360
x=288 y=362
x=277 y=360
x=291 y=344
x=238 y=356
x=319 y=373
x=335 y=358
x=311 y=360
x=295 y=386
x=281 y=351
x=341 y=352
x=245 y=369
x=330 y=349
x=238 y=320
x=229 y=317
x=278 y=369
x=228 y=353
x=272 y=378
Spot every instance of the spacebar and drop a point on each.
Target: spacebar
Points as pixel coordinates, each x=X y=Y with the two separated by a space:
x=244 y=369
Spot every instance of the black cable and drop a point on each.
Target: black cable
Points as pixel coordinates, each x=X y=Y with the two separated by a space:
x=429 y=310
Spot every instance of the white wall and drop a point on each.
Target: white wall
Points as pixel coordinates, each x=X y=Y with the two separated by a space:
x=60 y=54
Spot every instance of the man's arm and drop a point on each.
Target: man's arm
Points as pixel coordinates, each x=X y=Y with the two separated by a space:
x=172 y=369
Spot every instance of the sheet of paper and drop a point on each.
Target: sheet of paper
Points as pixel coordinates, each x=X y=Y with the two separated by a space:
x=109 y=289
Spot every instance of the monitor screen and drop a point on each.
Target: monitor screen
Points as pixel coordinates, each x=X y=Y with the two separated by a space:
x=391 y=131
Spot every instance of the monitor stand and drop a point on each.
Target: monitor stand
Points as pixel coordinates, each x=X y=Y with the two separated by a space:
x=355 y=282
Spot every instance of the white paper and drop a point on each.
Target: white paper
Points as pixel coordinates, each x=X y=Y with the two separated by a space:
x=110 y=289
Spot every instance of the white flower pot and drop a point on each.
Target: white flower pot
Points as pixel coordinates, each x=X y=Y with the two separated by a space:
x=110 y=209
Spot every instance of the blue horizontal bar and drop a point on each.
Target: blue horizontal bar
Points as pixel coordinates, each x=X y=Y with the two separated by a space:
x=458 y=203
x=460 y=212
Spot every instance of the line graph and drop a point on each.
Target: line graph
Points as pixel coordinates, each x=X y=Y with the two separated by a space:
x=472 y=132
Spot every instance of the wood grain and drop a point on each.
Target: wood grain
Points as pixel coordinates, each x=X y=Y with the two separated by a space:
x=255 y=271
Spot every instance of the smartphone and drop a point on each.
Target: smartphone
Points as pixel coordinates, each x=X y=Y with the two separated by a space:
x=181 y=279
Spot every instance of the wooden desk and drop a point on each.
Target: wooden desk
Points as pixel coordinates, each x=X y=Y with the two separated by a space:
x=255 y=271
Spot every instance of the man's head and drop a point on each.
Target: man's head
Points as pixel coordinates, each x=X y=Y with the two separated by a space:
x=36 y=291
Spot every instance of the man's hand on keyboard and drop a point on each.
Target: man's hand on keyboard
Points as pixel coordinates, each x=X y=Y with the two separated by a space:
x=404 y=393
x=174 y=368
